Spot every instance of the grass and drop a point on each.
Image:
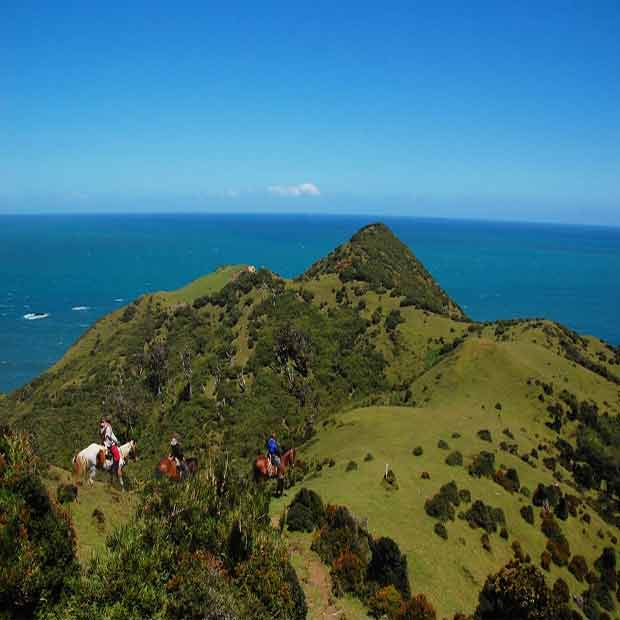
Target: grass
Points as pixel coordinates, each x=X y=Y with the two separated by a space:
x=457 y=395
x=205 y=285
x=116 y=506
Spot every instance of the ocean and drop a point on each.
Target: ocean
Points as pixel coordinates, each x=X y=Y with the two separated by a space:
x=60 y=273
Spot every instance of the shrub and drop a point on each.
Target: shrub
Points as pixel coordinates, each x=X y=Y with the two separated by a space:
x=385 y=602
x=508 y=479
x=439 y=507
x=484 y=516
x=66 y=493
x=351 y=466
x=483 y=465
x=517 y=591
x=369 y=457
x=340 y=531
x=545 y=560
x=485 y=435
x=418 y=608
x=443 y=445
x=465 y=495
x=348 y=573
x=543 y=493
x=454 y=459
x=561 y=591
x=299 y=519
x=308 y=510
x=560 y=552
x=578 y=567
x=389 y=480
x=451 y=492
x=486 y=543
x=418 y=451
x=527 y=512
x=37 y=542
x=388 y=566
x=441 y=531
x=504 y=533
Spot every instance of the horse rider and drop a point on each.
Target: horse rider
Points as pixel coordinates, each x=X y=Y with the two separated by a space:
x=109 y=440
x=176 y=453
x=273 y=450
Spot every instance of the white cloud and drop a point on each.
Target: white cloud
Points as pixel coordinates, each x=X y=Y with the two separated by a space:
x=303 y=189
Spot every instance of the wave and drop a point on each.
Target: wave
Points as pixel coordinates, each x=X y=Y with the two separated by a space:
x=119 y=300
x=35 y=316
x=80 y=308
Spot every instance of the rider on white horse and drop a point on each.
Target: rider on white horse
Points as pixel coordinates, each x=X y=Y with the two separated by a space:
x=109 y=440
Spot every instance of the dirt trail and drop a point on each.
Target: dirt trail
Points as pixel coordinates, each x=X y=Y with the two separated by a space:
x=316 y=583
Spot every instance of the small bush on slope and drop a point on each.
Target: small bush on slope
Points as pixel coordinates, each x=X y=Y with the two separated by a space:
x=37 y=542
x=202 y=549
x=306 y=511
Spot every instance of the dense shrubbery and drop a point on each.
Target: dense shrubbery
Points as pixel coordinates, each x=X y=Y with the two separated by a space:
x=519 y=592
x=202 y=550
x=483 y=465
x=454 y=459
x=484 y=516
x=36 y=537
x=305 y=512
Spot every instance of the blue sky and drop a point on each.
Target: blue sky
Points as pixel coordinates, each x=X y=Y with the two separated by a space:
x=498 y=110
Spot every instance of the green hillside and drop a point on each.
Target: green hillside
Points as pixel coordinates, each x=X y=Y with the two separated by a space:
x=362 y=354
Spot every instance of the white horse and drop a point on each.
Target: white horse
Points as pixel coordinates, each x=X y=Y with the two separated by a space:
x=94 y=457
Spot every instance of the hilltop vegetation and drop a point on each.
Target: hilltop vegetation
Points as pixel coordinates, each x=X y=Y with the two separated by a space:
x=363 y=362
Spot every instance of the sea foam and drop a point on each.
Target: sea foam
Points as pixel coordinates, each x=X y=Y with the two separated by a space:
x=80 y=308
x=35 y=316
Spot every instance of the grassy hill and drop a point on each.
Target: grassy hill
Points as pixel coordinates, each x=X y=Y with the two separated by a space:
x=363 y=353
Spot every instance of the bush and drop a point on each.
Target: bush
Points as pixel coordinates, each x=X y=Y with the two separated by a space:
x=439 y=507
x=388 y=566
x=37 y=542
x=484 y=516
x=369 y=457
x=578 y=567
x=465 y=495
x=305 y=512
x=451 y=492
x=418 y=451
x=527 y=512
x=485 y=435
x=351 y=466
x=561 y=591
x=483 y=465
x=389 y=480
x=504 y=533
x=299 y=519
x=443 y=445
x=508 y=479
x=454 y=459
x=385 y=602
x=545 y=560
x=518 y=591
x=418 y=608
x=66 y=493
x=441 y=531
x=348 y=573
x=486 y=543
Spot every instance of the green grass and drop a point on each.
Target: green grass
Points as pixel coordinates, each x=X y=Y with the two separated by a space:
x=205 y=285
x=457 y=395
x=116 y=506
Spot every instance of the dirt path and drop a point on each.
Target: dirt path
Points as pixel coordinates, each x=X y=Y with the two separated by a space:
x=316 y=583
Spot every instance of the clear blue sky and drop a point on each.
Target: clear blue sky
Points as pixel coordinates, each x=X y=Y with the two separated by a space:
x=506 y=110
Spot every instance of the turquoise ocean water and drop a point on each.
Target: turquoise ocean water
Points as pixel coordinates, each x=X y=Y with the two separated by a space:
x=74 y=269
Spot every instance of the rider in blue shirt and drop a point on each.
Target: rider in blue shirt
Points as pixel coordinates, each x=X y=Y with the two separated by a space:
x=273 y=449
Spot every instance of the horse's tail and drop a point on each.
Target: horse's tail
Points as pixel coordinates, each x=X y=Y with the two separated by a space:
x=79 y=466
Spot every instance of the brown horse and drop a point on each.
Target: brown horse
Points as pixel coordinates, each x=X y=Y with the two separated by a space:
x=168 y=467
x=265 y=470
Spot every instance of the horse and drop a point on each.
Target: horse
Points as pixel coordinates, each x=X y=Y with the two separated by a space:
x=265 y=470
x=168 y=467
x=94 y=457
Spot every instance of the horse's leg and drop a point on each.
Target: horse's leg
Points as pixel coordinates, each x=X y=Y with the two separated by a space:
x=120 y=479
x=91 y=475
